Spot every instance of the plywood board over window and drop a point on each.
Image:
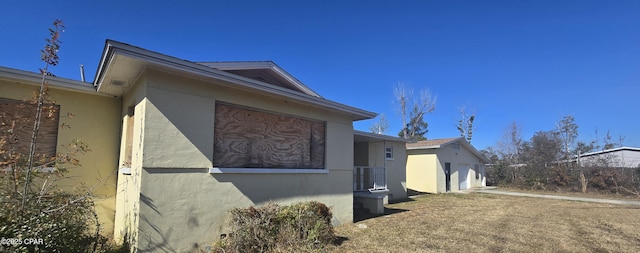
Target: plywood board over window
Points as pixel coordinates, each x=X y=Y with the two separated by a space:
x=251 y=138
x=16 y=127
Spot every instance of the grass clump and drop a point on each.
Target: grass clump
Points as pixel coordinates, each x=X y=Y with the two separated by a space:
x=304 y=226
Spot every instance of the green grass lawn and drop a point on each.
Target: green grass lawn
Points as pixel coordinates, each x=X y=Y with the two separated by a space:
x=479 y=222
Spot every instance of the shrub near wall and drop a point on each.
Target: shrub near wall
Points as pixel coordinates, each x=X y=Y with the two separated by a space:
x=302 y=226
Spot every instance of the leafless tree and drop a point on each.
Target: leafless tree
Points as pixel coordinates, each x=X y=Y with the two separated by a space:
x=380 y=126
x=413 y=109
x=568 y=130
x=465 y=124
x=510 y=144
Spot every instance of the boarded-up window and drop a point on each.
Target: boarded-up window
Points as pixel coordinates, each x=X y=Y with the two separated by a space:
x=249 y=138
x=128 y=146
x=16 y=127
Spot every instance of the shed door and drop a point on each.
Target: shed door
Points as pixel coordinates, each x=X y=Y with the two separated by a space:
x=447 y=175
x=463 y=178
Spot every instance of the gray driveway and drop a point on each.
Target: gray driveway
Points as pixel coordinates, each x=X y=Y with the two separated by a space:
x=606 y=201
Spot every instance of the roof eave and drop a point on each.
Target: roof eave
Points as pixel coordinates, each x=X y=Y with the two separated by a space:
x=424 y=147
x=113 y=48
x=379 y=136
x=459 y=140
x=57 y=82
x=609 y=151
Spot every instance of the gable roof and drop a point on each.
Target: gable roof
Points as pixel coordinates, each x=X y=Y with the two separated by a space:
x=121 y=65
x=263 y=71
x=440 y=143
x=429 y=144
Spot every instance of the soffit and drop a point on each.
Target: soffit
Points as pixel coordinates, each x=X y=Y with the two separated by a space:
x=122 y=64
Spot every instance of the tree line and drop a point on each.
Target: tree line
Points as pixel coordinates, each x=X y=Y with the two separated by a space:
x=550 y=160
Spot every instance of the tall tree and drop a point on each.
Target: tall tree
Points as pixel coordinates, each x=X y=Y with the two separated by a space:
x=465 y=124
x=416 y=128
x=544 y=148
x=413 y=110
x=568 y=131
x=510 y=144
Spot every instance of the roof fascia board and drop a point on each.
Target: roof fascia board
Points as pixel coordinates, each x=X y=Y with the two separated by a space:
x=262 y=65
x=107 y=53
x=294 y=81
x=424 y=147
x=204 y=71
x=238 y=65
x=459 y=140
x=57 y=82
x=434 y=146
x=474 y=150
x=609 y=151
x=379 y=136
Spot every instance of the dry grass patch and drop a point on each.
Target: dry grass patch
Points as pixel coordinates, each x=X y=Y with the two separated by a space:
x=591 y=194
x=490 y=223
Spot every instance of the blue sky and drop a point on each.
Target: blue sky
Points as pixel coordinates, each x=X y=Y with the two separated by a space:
x=527 y=61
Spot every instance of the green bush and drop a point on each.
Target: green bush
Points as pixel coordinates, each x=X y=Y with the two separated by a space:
x=299 y=227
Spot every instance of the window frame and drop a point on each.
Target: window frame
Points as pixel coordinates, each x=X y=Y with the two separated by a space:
x=52 y=146
x=220 y=169
x=388 y=150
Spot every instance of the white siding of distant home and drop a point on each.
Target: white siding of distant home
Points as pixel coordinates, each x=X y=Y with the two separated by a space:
x=618 y=157
x=631 y=158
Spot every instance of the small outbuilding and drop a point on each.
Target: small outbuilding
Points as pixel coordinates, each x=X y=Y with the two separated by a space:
x=444 y=165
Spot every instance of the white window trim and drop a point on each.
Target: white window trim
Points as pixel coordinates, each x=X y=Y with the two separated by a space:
x=125 y=170
x=216 y=170
x=385 y=153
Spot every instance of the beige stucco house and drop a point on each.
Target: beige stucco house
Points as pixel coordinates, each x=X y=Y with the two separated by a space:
x=379 y=175
x=444 y=165
x=182 y=143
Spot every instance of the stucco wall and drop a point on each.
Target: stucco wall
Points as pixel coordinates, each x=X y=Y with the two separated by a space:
x=458 y=157
x=96 y=122
x=182 y=206
x=396 y=167
x=421 y=171
x=128 y=187
x=426 y=168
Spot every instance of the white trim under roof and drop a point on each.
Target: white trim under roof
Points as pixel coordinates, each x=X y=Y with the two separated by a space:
x=145 y=57
x=57 y=82
x=379 y=136
x=216 y=170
